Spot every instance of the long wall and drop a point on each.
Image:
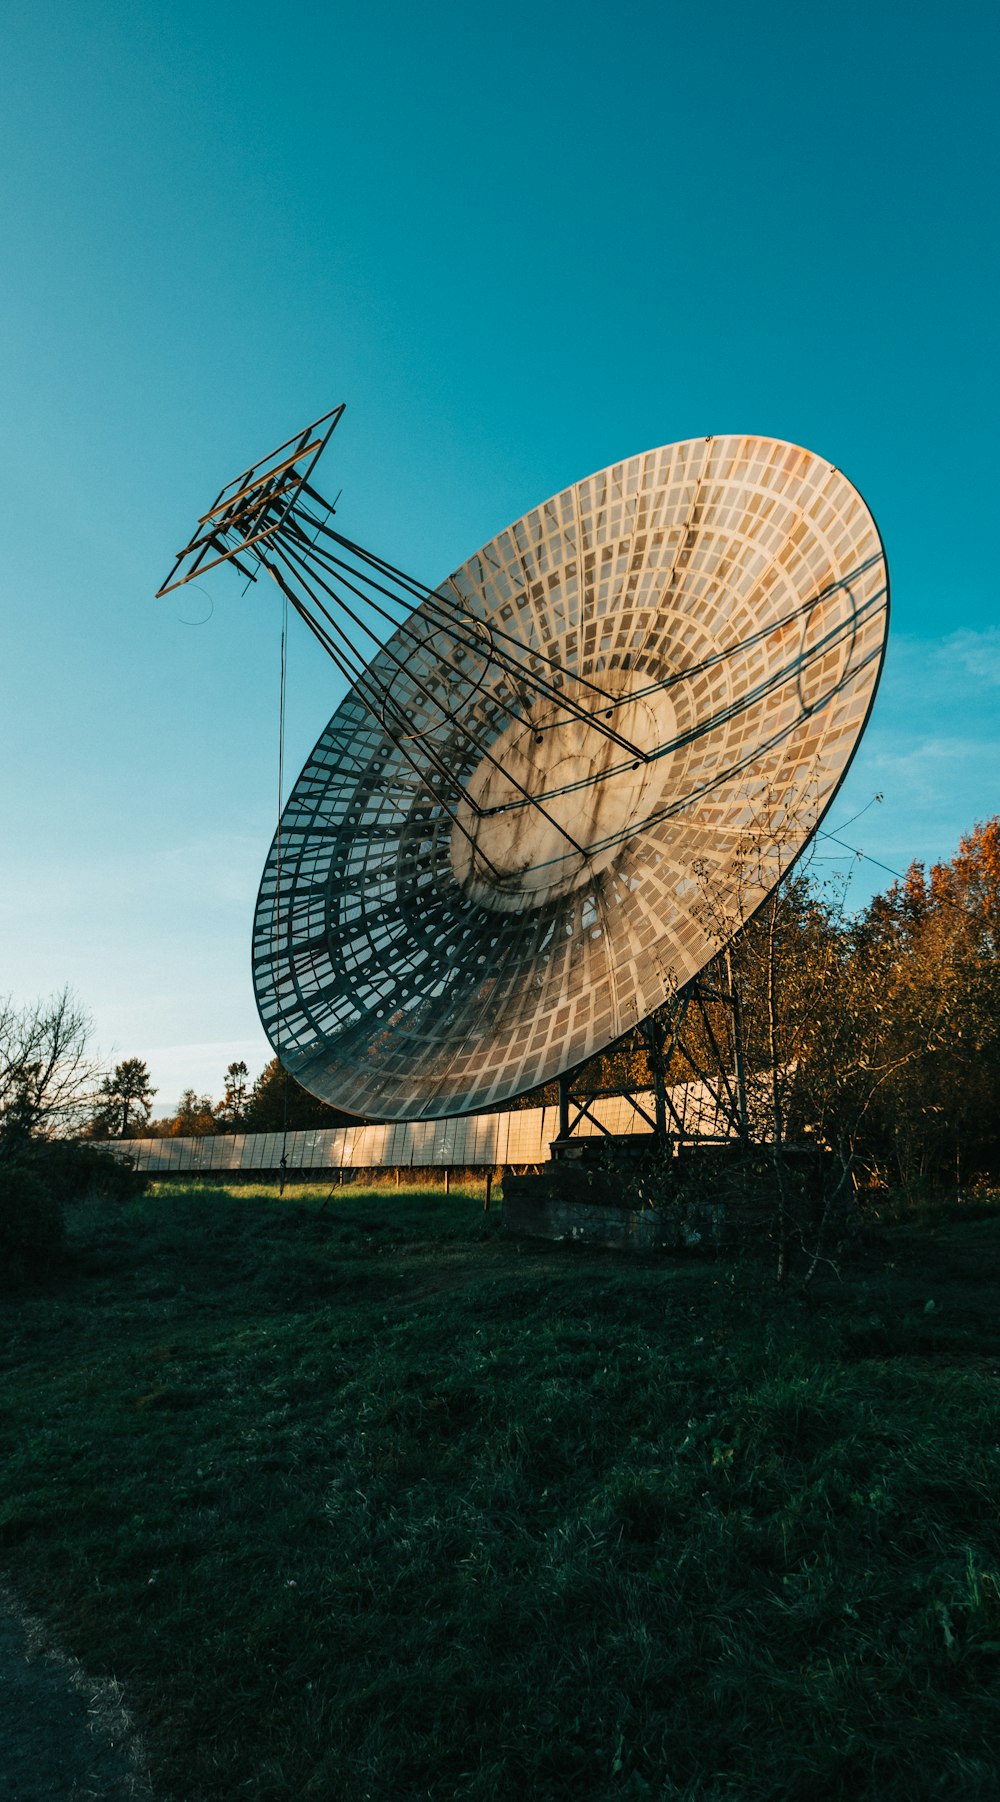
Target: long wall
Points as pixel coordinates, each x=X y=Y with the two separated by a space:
x=486 y=1141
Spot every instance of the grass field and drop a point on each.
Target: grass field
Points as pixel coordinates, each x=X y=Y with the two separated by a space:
x=363 y=1500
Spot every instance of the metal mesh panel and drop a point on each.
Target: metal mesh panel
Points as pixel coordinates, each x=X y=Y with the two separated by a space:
x=738 y=587
x=522 y=1136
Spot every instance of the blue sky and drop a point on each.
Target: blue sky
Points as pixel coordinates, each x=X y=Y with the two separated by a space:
x=520 y=243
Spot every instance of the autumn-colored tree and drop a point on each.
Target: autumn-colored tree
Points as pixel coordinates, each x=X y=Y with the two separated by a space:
x=875 y=1036
x=936 y=941
x=195 y=1117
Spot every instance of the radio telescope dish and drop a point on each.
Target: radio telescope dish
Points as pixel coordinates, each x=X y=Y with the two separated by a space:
x=642 y=695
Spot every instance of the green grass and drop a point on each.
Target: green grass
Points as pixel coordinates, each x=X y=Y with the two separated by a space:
x=363 y=1500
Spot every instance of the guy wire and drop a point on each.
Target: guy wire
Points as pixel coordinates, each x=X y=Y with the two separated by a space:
x=282 y=683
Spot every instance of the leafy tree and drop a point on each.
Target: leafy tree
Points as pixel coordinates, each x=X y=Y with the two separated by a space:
x=195 y=1117
x=232 y=1108
x=880 y=1034
x=277 y=1100
x=875 y=1036
x=936 y=939
x=124 y=1102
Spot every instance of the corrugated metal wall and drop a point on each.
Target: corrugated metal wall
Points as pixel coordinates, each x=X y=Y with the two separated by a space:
x=485 y=1141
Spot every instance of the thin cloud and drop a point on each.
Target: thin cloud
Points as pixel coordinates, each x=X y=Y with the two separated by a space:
x=922 y=670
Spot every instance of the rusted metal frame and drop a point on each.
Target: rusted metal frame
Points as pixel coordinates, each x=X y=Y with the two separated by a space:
x=680 y=1044
x=765 y=632
x=678 y=1118
x=453 y=720
x=419 y=770
x=738 y=1048
x=562 y=1091
x=624 y=1091
x=618 y=1091
x=727 y=998
x=671 y=1041
x=400 y=627
x=701 y=730
x=262 y=487
x=422 y=770
x=242 y=522
x=581 y=1098
x=751 y=757
x=752 y=698
x=637 y=1108
x=702 y=996
x=334 y=417
x=200 y=567
x=362 y=682
x=225 y=498
x=678 y=1041
x=435 y=599
x=434 y=606
x=583 y=1113
x=477 y=745
x=654 y=1036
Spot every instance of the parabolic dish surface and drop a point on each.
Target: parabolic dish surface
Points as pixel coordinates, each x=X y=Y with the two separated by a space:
x=723 y=603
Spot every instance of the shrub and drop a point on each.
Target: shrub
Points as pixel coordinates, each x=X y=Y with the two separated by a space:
x=32 y=1222
x=73 y=1170
x=36 y=1187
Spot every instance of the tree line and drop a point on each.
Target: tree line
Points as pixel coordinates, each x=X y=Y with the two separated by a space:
x=874 y=1034
x=881 y=1031
x=125 y=1097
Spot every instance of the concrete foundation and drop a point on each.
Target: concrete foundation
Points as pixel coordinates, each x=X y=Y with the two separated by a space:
x=588 y=1223
x=632 y=1195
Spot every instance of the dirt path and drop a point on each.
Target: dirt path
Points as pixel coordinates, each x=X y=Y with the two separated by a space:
x=63 y=1736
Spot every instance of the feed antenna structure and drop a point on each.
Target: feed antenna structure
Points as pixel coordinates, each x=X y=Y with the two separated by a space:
x=561 y=778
